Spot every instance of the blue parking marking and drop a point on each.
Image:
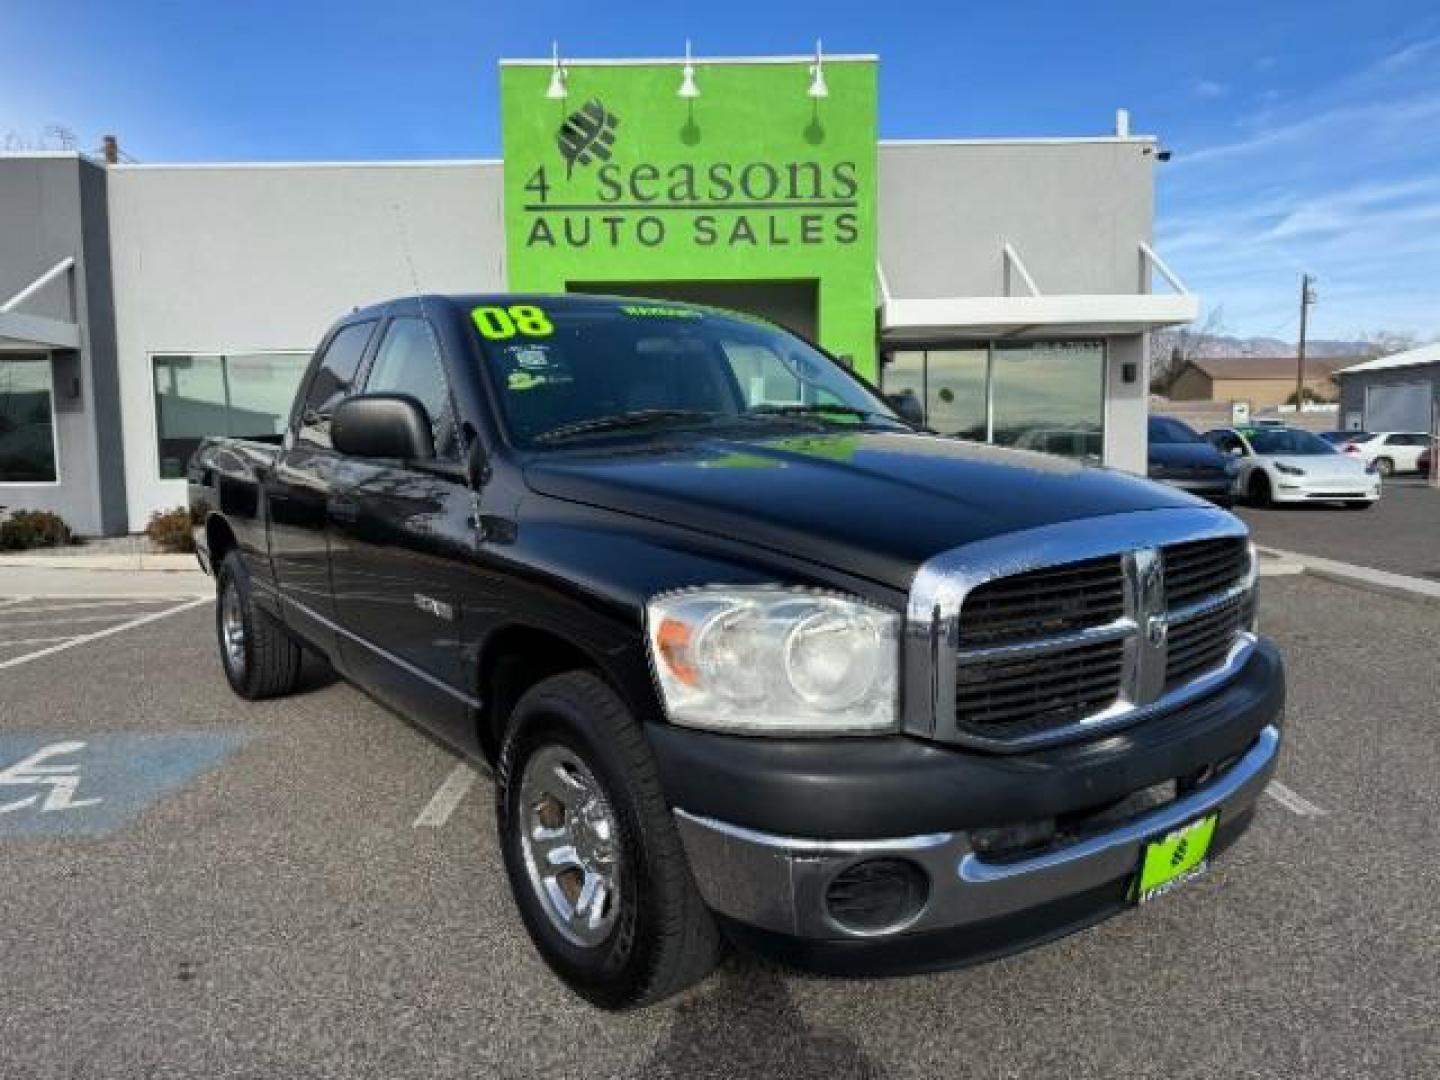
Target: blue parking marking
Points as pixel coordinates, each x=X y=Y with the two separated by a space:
x=60 y=784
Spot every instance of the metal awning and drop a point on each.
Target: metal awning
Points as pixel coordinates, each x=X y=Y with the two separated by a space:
x=1036 y=314
x=20 y=332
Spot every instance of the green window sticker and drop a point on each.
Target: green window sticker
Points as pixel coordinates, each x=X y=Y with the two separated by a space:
x=648 y=311
x=503 y=323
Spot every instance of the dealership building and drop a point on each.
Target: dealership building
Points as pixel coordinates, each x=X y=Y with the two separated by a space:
x=1008 y=283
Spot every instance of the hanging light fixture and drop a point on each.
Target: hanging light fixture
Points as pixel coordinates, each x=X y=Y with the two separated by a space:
x=688 y=89
x=818 y=89
x=557 y=90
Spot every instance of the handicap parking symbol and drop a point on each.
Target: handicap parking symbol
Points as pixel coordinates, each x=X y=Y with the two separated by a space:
x=53 y=786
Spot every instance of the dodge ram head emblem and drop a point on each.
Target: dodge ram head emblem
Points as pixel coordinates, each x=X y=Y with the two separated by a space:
x=1157 y=630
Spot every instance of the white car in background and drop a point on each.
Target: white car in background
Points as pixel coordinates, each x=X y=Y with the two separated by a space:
x=1287 y=465
x=1388 y=451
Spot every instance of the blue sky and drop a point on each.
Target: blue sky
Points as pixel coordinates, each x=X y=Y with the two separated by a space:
x=1306 y=136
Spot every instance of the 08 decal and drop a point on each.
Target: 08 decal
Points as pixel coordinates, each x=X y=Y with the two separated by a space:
x=503 y=323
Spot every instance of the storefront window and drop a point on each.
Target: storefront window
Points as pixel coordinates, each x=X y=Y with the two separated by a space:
x=27 y=422
x=244 y=395
x=1050 y=396
x=955 y=392
x=1047 y=396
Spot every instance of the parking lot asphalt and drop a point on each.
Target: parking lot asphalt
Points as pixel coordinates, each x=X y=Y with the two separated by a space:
x=266 y=890
x=1400 y=533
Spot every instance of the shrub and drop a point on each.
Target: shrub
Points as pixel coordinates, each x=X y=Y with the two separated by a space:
x=26 y=529
x=170 y=530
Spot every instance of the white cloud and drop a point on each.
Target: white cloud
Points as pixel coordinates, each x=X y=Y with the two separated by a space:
x=1340 y=179
x=1208 y=88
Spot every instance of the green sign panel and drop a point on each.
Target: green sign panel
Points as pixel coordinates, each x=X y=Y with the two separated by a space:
x=754 y=181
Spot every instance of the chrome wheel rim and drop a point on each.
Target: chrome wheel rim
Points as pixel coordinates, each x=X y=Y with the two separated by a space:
x=571 y=844
x=232 y=628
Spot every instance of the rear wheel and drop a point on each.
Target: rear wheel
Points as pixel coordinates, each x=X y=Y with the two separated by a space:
x=1258 y=489
x=1384 y=466
x=260 y=659
x=594 y=861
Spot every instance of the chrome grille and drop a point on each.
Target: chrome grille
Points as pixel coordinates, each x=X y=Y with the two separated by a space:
x=1043 y=602
x=1202 y=641
x=1031 y=655
x=1204 y=567
x=1004 y=697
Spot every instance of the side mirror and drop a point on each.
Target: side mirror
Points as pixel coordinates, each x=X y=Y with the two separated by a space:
x=1235 y=451
x=382 y=426
x=907 y=406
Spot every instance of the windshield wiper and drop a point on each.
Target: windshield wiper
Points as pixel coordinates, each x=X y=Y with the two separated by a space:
x=818 y=409
x=619 y=421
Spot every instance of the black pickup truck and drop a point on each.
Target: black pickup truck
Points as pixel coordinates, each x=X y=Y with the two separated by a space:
x=751 y=657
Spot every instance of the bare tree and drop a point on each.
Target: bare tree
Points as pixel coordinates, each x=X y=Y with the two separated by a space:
x=1385 y=342
x=1171 y=350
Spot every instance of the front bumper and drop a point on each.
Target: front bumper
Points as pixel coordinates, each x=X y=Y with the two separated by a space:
x=1304 y=489
x=768 y=877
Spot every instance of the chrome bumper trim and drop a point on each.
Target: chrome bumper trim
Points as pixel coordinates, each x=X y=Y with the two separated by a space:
x=778 y=883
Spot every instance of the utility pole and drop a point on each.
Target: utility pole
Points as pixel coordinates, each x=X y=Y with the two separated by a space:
x=1307 y=297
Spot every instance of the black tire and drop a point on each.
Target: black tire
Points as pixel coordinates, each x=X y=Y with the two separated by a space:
x=1358 y=505
x=662 y=938
x=1384 y=466
x=1257 y=489
x=265 y=661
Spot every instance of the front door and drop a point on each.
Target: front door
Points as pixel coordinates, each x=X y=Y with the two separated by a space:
x=299 y=486
x=401 y=540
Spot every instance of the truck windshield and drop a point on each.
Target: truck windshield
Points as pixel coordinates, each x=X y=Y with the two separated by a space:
x=584 y=371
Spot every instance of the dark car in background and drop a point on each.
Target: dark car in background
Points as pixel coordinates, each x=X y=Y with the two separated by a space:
x=1181 y=458
x=1340 y=438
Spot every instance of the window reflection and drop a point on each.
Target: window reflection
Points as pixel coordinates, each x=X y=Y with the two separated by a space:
x=245 y=395
x=1046 y=396
x=27 y=422
x=955 y=392
x=1051 y=397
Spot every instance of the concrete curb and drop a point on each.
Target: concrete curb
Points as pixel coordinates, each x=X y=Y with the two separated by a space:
x=1362 y=577
x=161 y=563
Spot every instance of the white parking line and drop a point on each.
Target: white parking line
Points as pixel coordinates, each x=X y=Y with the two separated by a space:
x=442 y=804
x=1296 y=804
x=31 y=641
x=43 y=607
x=96 y=635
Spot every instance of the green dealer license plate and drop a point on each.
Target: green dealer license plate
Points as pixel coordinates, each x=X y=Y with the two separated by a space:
x=1175 y=858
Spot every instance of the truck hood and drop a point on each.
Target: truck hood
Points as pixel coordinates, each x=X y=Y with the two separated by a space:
x=873 y=504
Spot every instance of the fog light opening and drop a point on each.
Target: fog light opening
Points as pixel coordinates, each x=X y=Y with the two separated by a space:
x=878 y=896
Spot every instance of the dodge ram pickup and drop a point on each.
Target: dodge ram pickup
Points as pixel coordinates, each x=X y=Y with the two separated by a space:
x=753 y=658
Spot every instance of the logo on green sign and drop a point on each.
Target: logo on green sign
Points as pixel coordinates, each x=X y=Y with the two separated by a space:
x=587 y=134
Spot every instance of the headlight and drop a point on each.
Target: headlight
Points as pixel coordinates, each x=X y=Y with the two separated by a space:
x=1289 y=470
x=775 y=661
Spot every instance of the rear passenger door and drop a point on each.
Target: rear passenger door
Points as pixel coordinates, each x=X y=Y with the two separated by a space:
x=297 y=491
x=401 y=537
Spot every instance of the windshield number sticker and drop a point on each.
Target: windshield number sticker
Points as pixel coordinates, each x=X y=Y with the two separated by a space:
x=503 y=323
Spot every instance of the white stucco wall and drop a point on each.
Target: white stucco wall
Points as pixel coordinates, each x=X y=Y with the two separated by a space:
x=251 y=258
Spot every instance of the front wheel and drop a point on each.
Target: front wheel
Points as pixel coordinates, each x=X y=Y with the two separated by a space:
x=1258 y=489
x=593 y=857
x=260 y=659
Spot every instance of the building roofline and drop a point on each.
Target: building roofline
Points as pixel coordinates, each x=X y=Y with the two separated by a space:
x=1019 y=140
x=697 y=61
x=406 y=164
